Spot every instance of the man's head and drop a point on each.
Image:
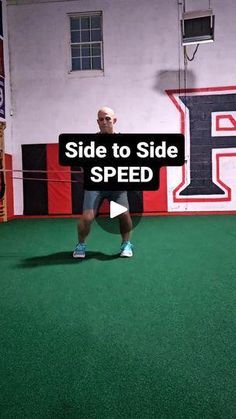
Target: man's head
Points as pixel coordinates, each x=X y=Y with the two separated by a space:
x=106 y=120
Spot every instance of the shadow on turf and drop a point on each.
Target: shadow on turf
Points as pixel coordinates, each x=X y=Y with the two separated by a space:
x=63 y=258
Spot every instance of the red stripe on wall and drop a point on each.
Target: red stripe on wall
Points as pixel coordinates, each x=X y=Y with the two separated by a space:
x=9 y=186
x=59 y=193
x=156 y=201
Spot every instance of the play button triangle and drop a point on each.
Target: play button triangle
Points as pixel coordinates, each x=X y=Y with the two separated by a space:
x=116 y=209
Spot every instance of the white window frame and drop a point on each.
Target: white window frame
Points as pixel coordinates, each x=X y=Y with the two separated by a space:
x=89 y=72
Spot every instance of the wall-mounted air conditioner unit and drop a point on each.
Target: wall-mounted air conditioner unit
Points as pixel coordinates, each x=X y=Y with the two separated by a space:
x=198 y=27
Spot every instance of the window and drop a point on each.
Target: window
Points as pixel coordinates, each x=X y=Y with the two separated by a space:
x=86 y=42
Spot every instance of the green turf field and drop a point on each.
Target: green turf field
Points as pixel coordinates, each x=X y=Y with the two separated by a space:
x=148 y=337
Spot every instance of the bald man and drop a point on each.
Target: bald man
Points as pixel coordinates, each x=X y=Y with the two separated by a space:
x=92 y=199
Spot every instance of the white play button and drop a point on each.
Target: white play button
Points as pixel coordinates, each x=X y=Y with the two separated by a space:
x=116 y=209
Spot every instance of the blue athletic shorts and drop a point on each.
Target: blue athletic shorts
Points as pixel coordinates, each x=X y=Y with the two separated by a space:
x=93 y=199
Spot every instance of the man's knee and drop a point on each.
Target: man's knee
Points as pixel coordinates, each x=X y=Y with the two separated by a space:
x=124 y=217
x=125 y=221
x=87 y=216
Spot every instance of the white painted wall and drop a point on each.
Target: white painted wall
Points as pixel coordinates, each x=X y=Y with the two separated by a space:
x=142 y=56
x=8 y=130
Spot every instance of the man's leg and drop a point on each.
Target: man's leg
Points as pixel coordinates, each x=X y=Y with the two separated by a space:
x=126 y=249
x=120 y=197
x=91 y=202
x=125 y=226
x=84 y=224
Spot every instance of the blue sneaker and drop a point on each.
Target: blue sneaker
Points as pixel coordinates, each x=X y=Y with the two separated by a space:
x=126 y=249
x=79 y=251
